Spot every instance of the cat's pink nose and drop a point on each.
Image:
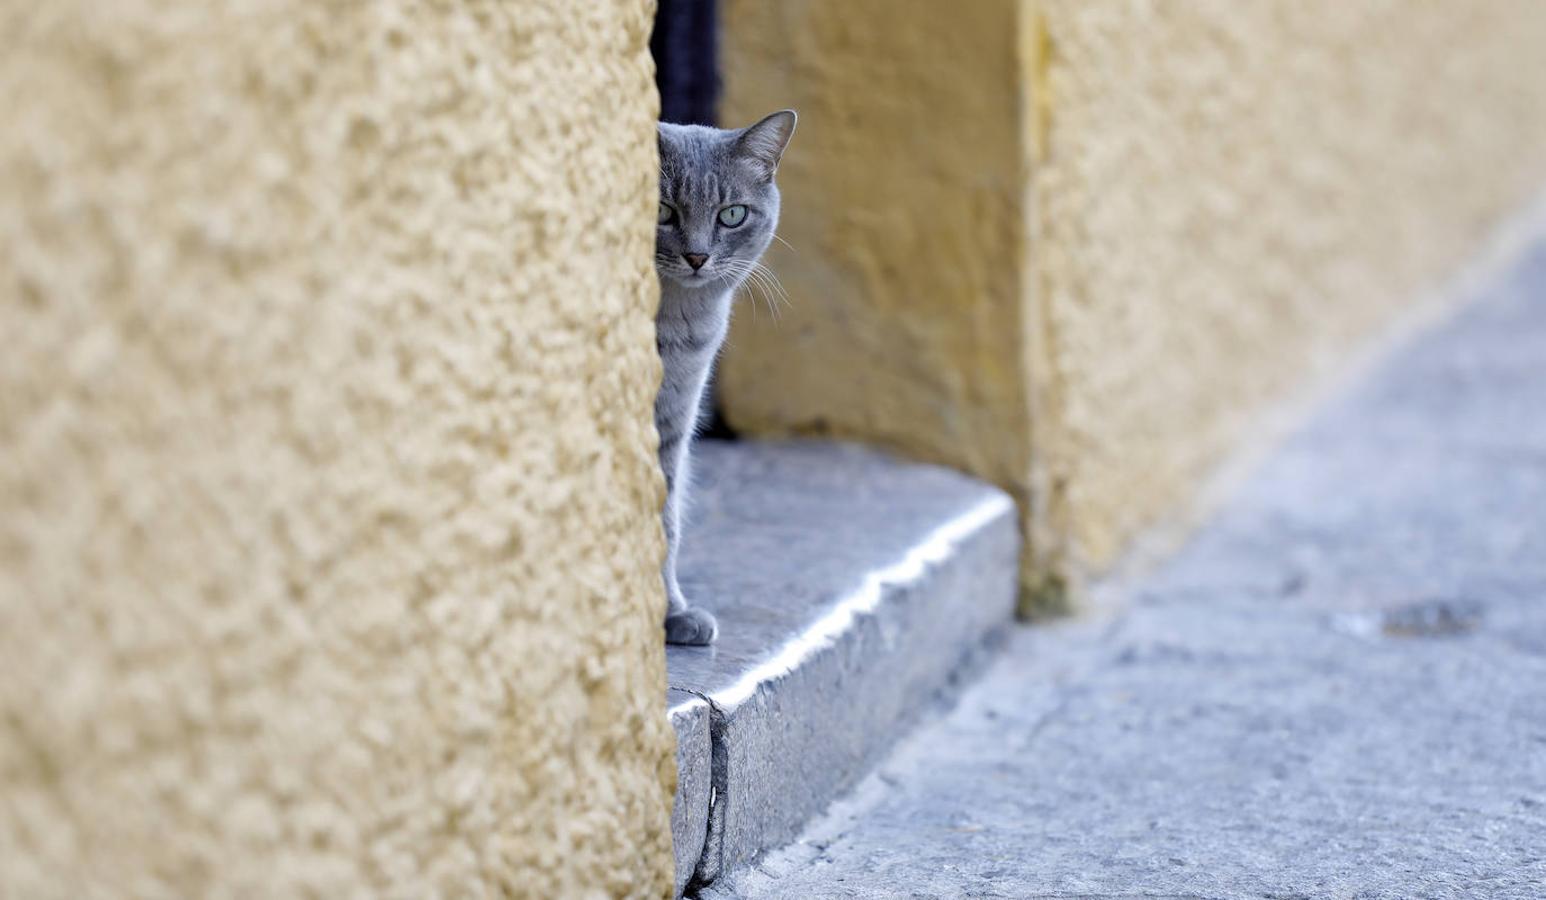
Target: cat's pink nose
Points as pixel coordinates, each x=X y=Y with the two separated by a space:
x=696 y=260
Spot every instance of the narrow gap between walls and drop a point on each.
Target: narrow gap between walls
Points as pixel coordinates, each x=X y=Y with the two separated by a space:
x=685 y=44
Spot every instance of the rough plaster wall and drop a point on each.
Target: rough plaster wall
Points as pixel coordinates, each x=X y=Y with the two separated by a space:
x=903 y=206
x=1231 y=194
x=1220 y=199
x=328 y=535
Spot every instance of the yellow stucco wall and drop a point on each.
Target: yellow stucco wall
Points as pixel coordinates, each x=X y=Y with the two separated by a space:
x=329 y=540
x=904 y=220
x=1077 y=247
x=1231 y=195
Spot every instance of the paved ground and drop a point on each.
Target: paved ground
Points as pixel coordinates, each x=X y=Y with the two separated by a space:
x=1338 y=689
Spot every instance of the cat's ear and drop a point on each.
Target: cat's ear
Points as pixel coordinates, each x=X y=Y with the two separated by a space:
x=763 y=144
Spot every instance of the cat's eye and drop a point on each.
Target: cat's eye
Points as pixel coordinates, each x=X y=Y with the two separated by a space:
x=731 y=216
x=665 y=215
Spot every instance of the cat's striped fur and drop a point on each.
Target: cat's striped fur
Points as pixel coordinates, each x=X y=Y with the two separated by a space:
x=718 y=212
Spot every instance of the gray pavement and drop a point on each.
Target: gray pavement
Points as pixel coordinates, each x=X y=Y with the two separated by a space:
x=847 y=584
x=1336 y=689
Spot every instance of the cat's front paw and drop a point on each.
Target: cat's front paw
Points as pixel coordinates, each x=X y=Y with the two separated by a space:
x=692 y=626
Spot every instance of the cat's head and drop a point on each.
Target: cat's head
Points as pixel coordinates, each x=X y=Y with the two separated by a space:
x=718 y=202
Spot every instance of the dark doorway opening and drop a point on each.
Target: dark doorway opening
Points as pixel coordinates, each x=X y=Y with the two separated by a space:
x=685 y=44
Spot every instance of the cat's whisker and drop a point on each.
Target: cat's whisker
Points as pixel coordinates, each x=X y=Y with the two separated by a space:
x=758 y=289
x=733 y=278
x=777 y=286
x=744 y=272
x=773 y=309
x=768 y=297
x=773 y=291
x=762 y=283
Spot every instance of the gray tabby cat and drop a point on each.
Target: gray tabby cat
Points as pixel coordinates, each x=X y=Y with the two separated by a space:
x=718 y=210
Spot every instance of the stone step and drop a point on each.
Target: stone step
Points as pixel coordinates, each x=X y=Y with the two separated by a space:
x=850 y=589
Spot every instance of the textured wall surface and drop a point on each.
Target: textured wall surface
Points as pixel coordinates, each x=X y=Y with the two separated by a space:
x=1232 y=194
x=328 y=536
x=1075 y=247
